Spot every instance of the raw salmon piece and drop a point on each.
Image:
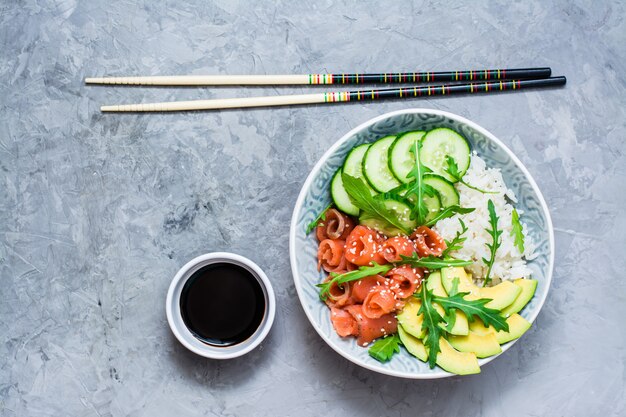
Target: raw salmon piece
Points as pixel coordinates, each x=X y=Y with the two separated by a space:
x=340 y=295
x=405 y=280
x=396 y=246
x=362 y=287
x=380 y=301
x=330 y=254
x=336 y=225
x=370 y=329
x=343 y=322
x=363 y=246
x=428 y=242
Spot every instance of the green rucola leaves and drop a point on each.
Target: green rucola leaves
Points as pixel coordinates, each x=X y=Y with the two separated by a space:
x=495 y=240
x=383 y=349
x=517 y=231
x=452 y=169
x=361 y=197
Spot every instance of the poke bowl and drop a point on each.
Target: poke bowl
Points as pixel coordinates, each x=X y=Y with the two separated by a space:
x=519 y=192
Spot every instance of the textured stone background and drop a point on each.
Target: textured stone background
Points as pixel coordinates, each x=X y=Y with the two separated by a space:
x=98 y=212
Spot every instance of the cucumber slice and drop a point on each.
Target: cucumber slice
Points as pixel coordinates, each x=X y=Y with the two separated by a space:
x=353 y=163
x=376 y=165
x=433 y=204
x=340 y=196
x=448 y=195
x=401 y=159
x=403 y=213
x=437 y=144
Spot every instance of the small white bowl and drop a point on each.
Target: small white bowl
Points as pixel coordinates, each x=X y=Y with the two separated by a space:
x=180 y=330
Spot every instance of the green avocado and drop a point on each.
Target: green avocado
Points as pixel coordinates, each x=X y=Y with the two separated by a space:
x=434 y=284
x=483 y=345
x=409 y=320
x=413 y=344
x=517 y=327
x=461 y=363
x=528 y=286
x=501 y=295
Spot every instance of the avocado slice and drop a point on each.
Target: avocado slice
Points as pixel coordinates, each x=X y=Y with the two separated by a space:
x=409 y=320
x=449 y=359
x=434 y=284
x=413 y=344
x=461 y=363
x=518 y=325
x=528 y=286
x=483 y=345
x=501 y=295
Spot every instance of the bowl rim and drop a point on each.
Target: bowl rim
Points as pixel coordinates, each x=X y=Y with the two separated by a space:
x=315 y=171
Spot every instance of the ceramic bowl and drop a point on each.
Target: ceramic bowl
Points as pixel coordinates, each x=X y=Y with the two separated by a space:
x=187 y=338
x=315 y=196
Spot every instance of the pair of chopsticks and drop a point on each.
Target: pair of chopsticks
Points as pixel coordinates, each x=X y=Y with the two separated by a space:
x=481 y=81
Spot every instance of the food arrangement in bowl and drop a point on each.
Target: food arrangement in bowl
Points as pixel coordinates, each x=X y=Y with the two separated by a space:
x=422 y=255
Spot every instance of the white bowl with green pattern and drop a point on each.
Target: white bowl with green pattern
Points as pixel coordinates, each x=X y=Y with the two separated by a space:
x=315 y=196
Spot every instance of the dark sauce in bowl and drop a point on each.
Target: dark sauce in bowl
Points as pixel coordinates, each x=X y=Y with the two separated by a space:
x=222 y=304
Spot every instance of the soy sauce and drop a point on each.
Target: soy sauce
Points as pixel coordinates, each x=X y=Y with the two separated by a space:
x=222 y=304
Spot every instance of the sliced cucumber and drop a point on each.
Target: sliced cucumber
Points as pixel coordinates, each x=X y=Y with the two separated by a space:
x=401 y=158
x=353 y=164
x=448 y=195
x=376 y=165
x=340 y=196
x=433 y=204
x=403 y=213
x=439 y=143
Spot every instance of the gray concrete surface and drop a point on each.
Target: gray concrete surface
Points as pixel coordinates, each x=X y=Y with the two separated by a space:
x=97 y=212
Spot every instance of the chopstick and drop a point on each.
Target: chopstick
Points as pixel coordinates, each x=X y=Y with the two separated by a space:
x=340 y=96
x=309 y=79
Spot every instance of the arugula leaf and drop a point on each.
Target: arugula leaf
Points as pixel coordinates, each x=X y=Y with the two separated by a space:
x=473 y=309
x=496 y=242
x=362 y=272
x=431 y=262
x=450 y=318
x=418 y=188
x=361 y=197
x=457 y=242
x=449 y=212
x=383 y=349
x=517 y=231
x=452 y=169
x=321 y=216
x=431 y=324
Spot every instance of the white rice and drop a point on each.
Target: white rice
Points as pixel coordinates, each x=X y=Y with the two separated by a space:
x=510 y=263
